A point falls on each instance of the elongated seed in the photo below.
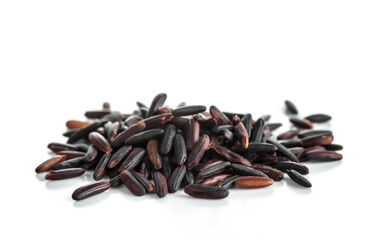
(123, 136)
(221, 118)
(180, 152)
(257, 131)
(188, 110)
(166, 166)
(242, 134)
(272, 173)
(71, 154)
(157, 102)
(118, 156)
(202, 166)
(144, 136)
(99, 142)
(282, 150)
(207, 192)
(291, 108)
(57, 147)
(228, 182)
(288, 135)
(231, 156)
(214, 180)
(254, 182)
(76, 124)
(84, 132)
(90, 190)
(167, 139)
(212, 170)
(100, 169)
(148, 186)
(112, 131)
(323, 156)
(283, 166)
(262, 147)
(334, 147)
(301, 123)
(309, 133)
(161, 186)
(176, 178)
(115, 181)
(157, 120)
(179, 122)
(71, 163)
(298, 178)
(132, 183)
(64, 174)
(153, 155)
(91, 154)
(246, 171)
(322, 139)
(290, 143)
(133, 159)
(192, 135)
(197, 152)
(48, 164)
(318, 118)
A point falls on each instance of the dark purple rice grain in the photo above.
(90, 190)
(192, 133)
(176, 178)
(298, 178)
(318, 118)
(116, 181)
(100, 169)
(309, 133)
(91, 154)
(71, 154)
(221, 118)
(229, 182)
(64, 174)
(301, 123)
(118, 156)
(72, 163)
(157, 102)
(157, 120)
(167, 139)
(132, 183)
(213, 169)
(144, 136)
(261, 147)
(246, 171)
(283, 151)
(333, 147)
(257, 131)
(123, 136)
(133, 159)
(288, 135)
(188, 110)
(197, 152)
(166, 166)
(148, 186)
(207, 192)
(180, 152)
(161, 186)
(283, 166)
(290, 107)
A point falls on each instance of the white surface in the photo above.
(60, 58)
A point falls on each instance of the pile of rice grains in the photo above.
(158, 149)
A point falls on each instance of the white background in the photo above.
(60, 58)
